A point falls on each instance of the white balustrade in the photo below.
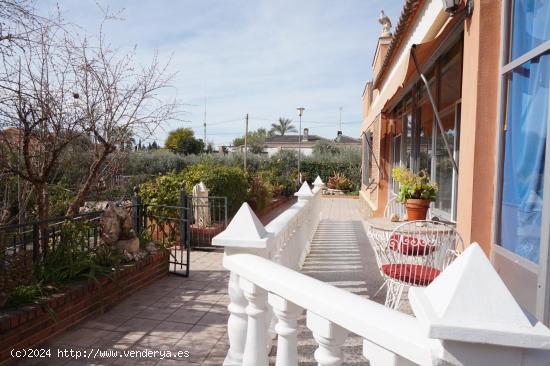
(237, 322)
(285, 240)
(287, 315)
(255, 350)
(465, 317)
(455, 323)
(330, 337)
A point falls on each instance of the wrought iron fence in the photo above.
(209, 219)
(191, 223)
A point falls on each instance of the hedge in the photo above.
(220, 180)
(327, 167)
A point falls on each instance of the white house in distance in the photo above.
(274, 144)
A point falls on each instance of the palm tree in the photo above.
(283, 126)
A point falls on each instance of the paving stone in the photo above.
(171, 329)
(181, 314)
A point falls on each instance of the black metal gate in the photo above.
(191, 224)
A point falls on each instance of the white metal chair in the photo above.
(393, 207)
(415, 254)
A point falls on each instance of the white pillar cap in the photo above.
(245, 231)
(304, 191)
(318, 182)
(469, 302)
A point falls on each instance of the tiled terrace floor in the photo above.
(180, 314)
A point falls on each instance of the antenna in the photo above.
(204, 119)
(340, 118)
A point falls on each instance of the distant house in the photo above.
(275, 144)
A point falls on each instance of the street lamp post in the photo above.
(300, 113)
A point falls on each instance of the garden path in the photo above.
(179, 314)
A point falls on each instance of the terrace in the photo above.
(324, 238)
(191, 314)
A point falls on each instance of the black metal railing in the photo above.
(193, 222)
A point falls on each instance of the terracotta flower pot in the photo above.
(417, 209)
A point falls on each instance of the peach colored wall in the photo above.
(383, 161)
(366, 98)
(380, 55)
(478, 124)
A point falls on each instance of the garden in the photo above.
(160, 175)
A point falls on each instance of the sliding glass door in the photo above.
(418, 136)
(523, 199)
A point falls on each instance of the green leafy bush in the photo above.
(326, 167)
(153, 162)
(220, 180)
(261, 194)
(27, 294)
(71, 258)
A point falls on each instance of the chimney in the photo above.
(306, 134)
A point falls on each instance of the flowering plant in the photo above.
(414, 186)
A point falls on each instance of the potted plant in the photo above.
(340, 182)
(416, 192)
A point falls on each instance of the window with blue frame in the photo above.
(525, 126)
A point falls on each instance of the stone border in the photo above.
(33, 324)
(340, 196)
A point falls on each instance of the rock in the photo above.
(150, 247)
(116, 223)
(129, 245)
(110, 225)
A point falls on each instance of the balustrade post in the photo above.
(318, 184)
(287, 314)
(237, 322)
(255, 350)
(330, 338)
(244, 234)
(304, 194)
(478, 322)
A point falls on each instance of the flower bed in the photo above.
(31, 325)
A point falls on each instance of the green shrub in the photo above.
(153, 162)
(70, 258)
(27, 294)
(219, 179)
(325, 168)
(261, 194)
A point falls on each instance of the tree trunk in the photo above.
(43, 208)
(92, 173)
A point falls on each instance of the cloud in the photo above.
(264, 57)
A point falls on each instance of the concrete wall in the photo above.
(306, 151)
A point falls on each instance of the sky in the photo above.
(261, 57)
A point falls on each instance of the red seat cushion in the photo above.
(409, 245)
(415, 274)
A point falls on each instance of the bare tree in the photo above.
(38, 114)
(57, 88)
(18, 24)
(118, 100)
